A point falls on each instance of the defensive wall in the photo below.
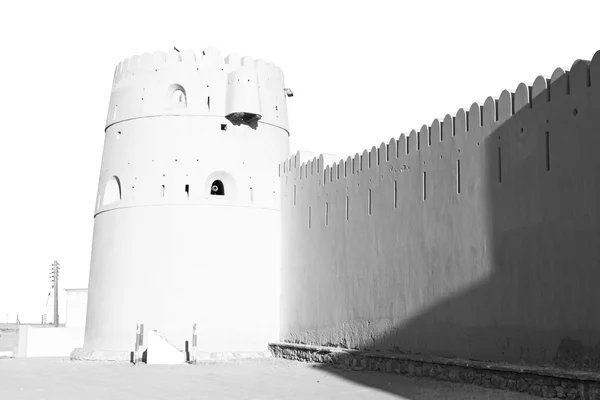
(476, 237)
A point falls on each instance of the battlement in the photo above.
(455, 129)
(184, 83)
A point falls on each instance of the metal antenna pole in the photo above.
(54, 276)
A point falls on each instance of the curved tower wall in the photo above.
(166, 252)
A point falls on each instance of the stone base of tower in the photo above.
(170, 267)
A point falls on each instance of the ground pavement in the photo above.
(59, 378)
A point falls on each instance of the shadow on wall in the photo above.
(539, 232)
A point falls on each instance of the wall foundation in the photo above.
(537, 381)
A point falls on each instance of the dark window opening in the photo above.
(223, 127)
(217, 188)
(547, 151)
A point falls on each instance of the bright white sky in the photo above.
(361, 72)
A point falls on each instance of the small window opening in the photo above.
(208, 103)
(395, 194)
(162, 191)
(499, 165)
(223, 127)
(547, 151)
(217, 188)
(179, 97)
(458, 176)
(369, 201)
(187, 191)
(347, 208)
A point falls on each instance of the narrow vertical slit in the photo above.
(347, 208)
(481, 113)
(407, 144)
(453, 126)
(547, 151)
(395, 194)
(326, 213)
(187, 191)
(387, 152)
(338, 171)
(458, 176)
(499, 164)
(162, 191)
(418, 141)
(208, 103)
(294, 194)
(378, 155)
(429, 136)
(369, 201)
(512, 104)
(424, 186)
(496, 102)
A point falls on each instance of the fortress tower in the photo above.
(187, 224)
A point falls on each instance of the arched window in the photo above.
(177, 96)
(112, 191)
(217, 188)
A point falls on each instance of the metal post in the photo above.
(136, 350)
(56, 293)
(194, 344)
(139, 343)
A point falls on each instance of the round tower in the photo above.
(187, 225)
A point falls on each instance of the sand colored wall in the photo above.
(476, 236)
(167, 253)
(48, 341)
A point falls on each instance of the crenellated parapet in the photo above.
(458, 129)
(205, 84)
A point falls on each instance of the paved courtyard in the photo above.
(59, 378)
